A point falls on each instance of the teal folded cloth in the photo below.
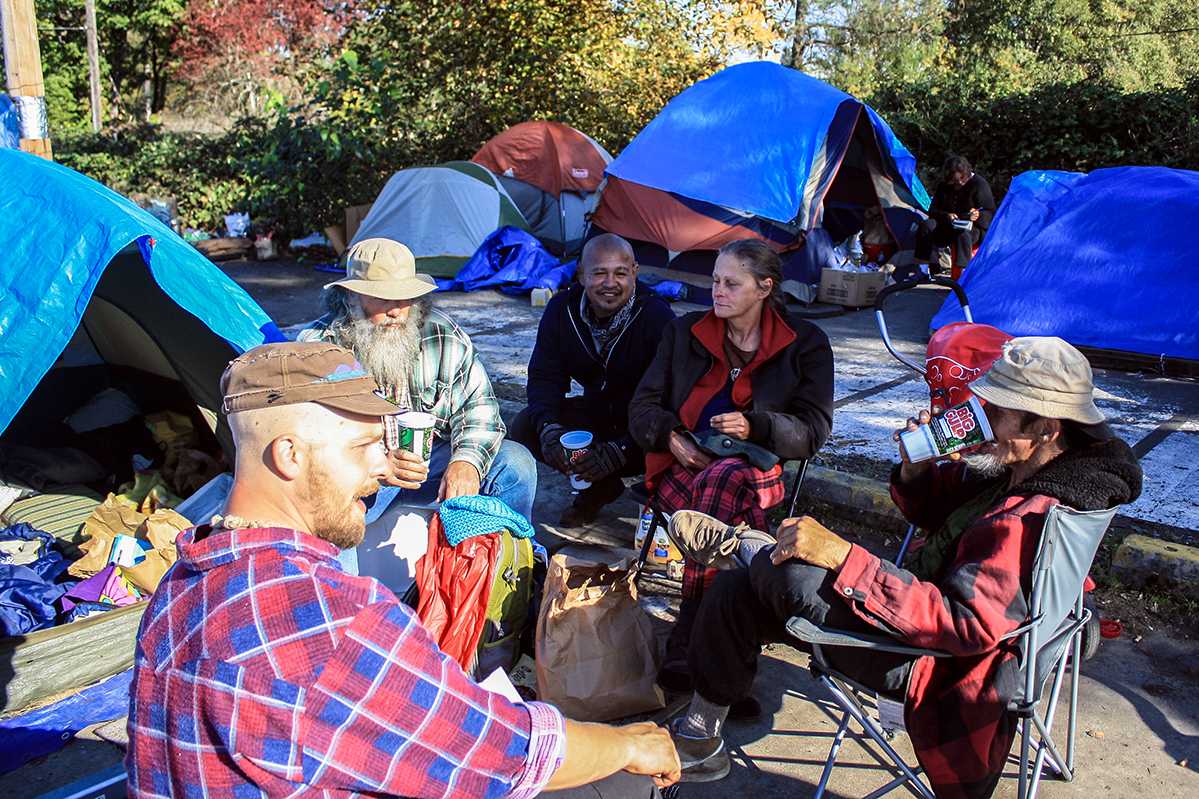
(466, 517)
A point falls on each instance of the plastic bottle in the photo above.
(963, 426)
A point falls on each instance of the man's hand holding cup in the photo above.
(408, 470)
(409, 439)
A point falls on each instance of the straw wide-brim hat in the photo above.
(1042, 375)
(384, 269)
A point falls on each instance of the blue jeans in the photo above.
(512, 478)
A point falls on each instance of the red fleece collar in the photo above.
(777, 335)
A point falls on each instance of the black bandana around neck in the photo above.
(604, 334)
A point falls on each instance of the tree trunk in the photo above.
(801, 37)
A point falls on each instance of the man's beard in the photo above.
(388, 351)
(984, 463)
(343, 526)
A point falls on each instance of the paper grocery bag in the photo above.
(116, 517)
(596, 654)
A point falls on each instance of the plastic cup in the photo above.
(415, 432)
(576, 443)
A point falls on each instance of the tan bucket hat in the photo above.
(292, 372)
(384, 269)
(1042, 375)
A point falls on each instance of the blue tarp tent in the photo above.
(83, 264)
(759, 150)
(1105, 260)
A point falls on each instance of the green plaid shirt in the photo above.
(448, 382)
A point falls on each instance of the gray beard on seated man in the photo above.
(388, 351)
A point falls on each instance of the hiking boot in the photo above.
(709, 541)
(702, 759)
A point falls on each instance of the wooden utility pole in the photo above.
(93, 61)
(23, 71)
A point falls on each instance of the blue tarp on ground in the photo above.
(58, 232)
(48, 729)
(513, 261)
(1105, 259)
(759, 138)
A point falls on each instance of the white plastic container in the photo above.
(576, 443)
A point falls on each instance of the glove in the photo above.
(551, 447)
(600, 461)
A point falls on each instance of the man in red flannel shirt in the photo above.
(262, 669)
(961, 592)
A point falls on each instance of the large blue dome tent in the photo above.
(757, 150)
(83, 266)
(1105, 260)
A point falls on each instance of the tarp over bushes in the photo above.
(1104, 260)
(59, 234)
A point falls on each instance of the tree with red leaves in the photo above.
(231, 51)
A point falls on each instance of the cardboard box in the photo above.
(354, 216)
(853, 289)
(336, 234)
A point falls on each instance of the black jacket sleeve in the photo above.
(650, 420)
(549, 379)
(802, 429)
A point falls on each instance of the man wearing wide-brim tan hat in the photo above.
(962, 591)
(382, 311)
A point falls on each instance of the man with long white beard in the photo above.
(424, 362)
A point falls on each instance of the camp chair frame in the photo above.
(658, 518)
(1052, 634)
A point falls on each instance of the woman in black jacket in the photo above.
(745, 369)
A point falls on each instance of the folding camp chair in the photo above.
(1049, 641)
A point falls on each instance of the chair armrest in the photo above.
(810, 633)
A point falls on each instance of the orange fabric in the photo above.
(709, 331)
(639, 212)
(549, 155)
(955, 271)
(455, 586)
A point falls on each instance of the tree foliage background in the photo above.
(309, 105)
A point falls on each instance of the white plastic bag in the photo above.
(237, 224)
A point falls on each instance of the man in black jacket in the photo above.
(602, 334)
(959, 216)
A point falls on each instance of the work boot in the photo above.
(709, 541)
(702, 759)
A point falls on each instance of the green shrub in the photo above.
(1068, 126)
(295, 173)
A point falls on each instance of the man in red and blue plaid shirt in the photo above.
(262, 669)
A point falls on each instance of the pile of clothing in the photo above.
(74, 541)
